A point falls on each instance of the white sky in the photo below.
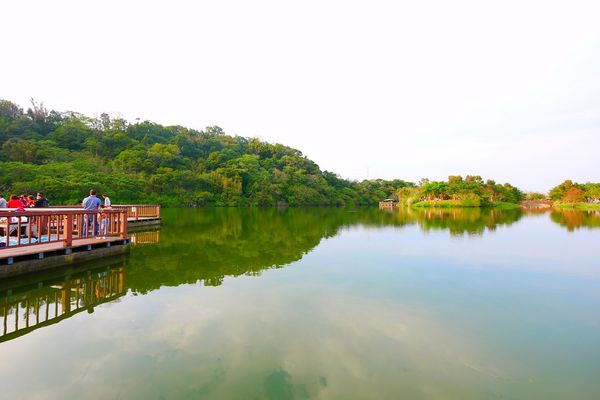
(391, 89)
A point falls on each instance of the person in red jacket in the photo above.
(14, 202)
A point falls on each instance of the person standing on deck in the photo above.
(106, 200)
(14, 202)
(91, 203)
(41, 201)
(3, 202)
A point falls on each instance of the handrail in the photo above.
(134, 211)
(137, 211)
(32, 227)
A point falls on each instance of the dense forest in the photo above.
(65, 154)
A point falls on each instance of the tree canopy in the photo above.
(572, 192)
(470, 191)
(65, 154)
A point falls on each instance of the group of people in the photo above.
(97, 223)
(29, 201)
(24, 201)
(93, 203)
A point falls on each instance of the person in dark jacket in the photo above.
(41, 201)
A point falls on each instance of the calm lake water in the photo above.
(318, 304)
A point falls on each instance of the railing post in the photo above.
(68, 230)
(123, 218)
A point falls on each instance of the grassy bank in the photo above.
(577, 206)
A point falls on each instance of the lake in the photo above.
(318, 304)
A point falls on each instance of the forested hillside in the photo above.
(64, 154)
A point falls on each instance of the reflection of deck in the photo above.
(25, 312)
(145, 237)
(387, 204)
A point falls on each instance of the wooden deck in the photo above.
(36, 239)
(51, 247)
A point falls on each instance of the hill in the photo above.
(64, 154)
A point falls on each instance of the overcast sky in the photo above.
(391, 89)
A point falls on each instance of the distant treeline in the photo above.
(571, 192)
(471, 191)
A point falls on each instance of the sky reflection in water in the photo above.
(328, 303)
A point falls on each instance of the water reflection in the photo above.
(210, 244)
(143, 237)
(459, 221)
(29, 305)
(380, 311)
(576, 219)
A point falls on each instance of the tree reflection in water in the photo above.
(208, 245)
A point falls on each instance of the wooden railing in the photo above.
(137, 211)
(134, 211)
(33, 227)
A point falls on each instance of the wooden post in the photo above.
(7, 231)
(68, 230)
(123, 218)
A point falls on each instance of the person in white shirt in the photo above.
(106, 200)
(3, 202)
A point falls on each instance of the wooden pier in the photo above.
(38, 239)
